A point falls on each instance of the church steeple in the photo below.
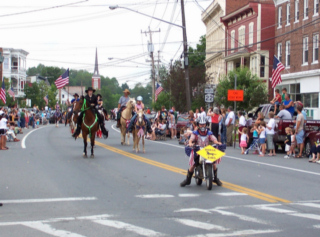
(96, 81)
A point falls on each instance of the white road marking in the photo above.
(305, 215)
(232, 194)
(128, 227)
(50, 230)
(317, 226)
(155, 196)
(272, 209)
(71, 199)
(96, 217)
(308, 205)
(23, 142)
(200, 225)
(193, 210)
(241, 217)
(239, 233)
(189, 195)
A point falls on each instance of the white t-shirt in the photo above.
(203, 114)
(230, 117)
(242, 121)
(243, 137)
(284, 114)
(271, 124)
(196, 115)
(209, 119)
(163, 126)
(3, 123)
(263, 133)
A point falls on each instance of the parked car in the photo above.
(281, 124)
(181, 123)
(312, 138)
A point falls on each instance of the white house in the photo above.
(14, 68)
(64, 96)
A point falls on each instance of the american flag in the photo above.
(62, 80)
(11, 93)
(158, 91)
(277, 68)
(46, 99)
(3, 92)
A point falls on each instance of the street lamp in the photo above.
(185, 45)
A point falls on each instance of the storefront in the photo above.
(305, 87)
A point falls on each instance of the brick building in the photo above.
(215, 39)
(297, 47)
(249, 36)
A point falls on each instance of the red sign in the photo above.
(235, 95)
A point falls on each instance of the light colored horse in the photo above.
(125, 118)
(139, 131)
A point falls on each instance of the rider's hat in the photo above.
(90, 89)
(99, 95)
(126, 91)
(75, 94)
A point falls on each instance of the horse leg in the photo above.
(128, 142)
(122, 136)
(85, 145)
(144, 151)
(92, 144)
(134, 140)
(138, 144)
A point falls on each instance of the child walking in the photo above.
(262, 137)
(288, 143)
(255, 135)
(244, 139)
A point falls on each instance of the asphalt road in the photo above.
(48, 189)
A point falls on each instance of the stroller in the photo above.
(255, 146)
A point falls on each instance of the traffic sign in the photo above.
(235, 95)
(208, 98)
(211, 153)
(208, 90)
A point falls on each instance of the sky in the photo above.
(66, 33)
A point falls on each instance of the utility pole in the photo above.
(158, 78)
(152, 60)
(186, 58)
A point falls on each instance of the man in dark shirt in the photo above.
(92, 99)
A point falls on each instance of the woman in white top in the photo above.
(172, 124)
(242, 124)
(270, 133)
(3, 130)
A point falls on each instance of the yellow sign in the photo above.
(211, 153)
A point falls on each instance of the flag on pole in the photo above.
(62, 80)
(158, 91)
(11, 93)
(277, 68)
(3, 92)
(46, 99)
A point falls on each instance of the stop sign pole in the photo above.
(235, 113)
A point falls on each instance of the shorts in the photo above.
(299, 137)
(2, 131)
(270, 143)
(173, 126)
(243, 144)
(315, 150)
(287, 148)
(277, 103)
(262, 140)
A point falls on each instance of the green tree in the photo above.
(32, 92)
(255, 90)
(163, 100)
(52, 93)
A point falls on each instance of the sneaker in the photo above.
(286, 157)
(318, 162)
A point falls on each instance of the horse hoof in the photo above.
(92, 156)
(85, 156)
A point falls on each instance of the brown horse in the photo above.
(139, 131)
(90, 124)
(126, 116)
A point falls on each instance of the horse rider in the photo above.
(139, 106)
(122, 105)
(92, 99)
(100, 105)
(201, 138)
(73, 101)
(57, 107)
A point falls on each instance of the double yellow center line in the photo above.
(234, 187)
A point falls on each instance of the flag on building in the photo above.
(46, 99)
(62, 80)
(3, 92)
(277, 68)
(158, 91)
(11, 93)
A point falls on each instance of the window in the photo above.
(262, 65)
(296, 10)
(241, 33)
(305, 9)
(232, 41)
(279, 17)
(280, 51)
(6, 63)
(230, 66)
(254, 65)
(288, 54)
(316, 7)
(315, 48)
(251, 34)
(305, 50)
(310, 100)
(288, 14)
